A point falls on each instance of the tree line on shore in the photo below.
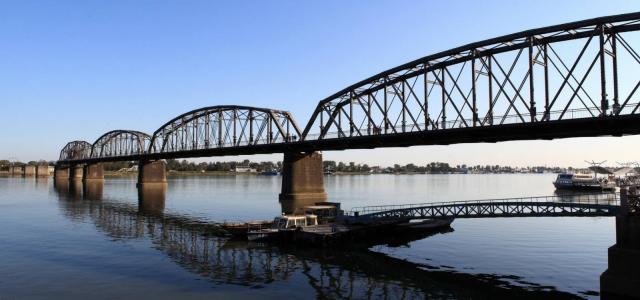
(328, 166)
(340, 167)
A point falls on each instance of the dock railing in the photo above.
(596, 199)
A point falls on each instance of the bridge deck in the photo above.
(576, 205)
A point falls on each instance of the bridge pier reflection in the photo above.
(92, 189)
(622, 278)
(151, 198)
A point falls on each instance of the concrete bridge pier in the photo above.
(76, 173)
(16, 171)
(29, 171)
(42, 171)
(622, 279)
(60, 173)
(152, 173)
(93, 172)
(302, 181)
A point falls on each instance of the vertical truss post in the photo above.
(474, 108)
(338, 111)
(603, 84)
(269, 129)
(368, 114)
(351, 113)
(444, 99)
(546, 83)
(207, 124)
(219, 128)
(404, 107)
(386, 108)
(251, 126)
(321, 123)
(532, 102)
(233, 123)
(426, 99)
(614, 54)
(490, 76)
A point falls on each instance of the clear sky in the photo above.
(77, 69)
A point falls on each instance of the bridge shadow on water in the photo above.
(350, 272)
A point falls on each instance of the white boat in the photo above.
(584, 182)
(280, 224)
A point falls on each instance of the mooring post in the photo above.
(622, 278)
(152, 173)
(302, 180)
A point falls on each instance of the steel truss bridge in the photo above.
(571, 80)
(547, 206)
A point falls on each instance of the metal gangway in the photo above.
(586, 205)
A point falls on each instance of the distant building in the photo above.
(244, 169)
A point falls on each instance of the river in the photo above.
(103, 243)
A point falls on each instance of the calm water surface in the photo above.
(108, 241)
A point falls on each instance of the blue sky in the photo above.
(77, 69)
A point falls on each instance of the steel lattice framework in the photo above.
(76, 150)
(571, 80)
(224, 126)
(121, 143)
(550, 74)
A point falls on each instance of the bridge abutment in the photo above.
(152, 173)
(302, 180)
(622, 278)
(93, 172)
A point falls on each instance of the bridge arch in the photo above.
(75, 150)
(555, 73)
(121, 143)
(224, 126)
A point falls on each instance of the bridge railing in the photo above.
(596, 199)
(555, 115)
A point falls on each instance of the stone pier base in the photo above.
(61, 173)
(16, 171)
(302, 181)
(42, 171)
(76, 173)
(152, 173)
(622, 278)
(29, 171)
(93, 172)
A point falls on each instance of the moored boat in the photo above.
(282, 224)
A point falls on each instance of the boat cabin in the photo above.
(294, 221)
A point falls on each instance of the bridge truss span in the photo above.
(76, 150)
(121, 143)
(225, 127)
(580, 70)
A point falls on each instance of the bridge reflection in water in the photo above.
(196, 245)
